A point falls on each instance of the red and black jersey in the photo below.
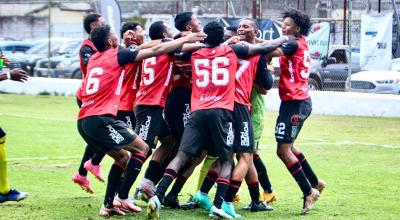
(86, 50)
(213, 74)
(294, 73)
(245, 75)
(182, 80)
(130, 86)
(103, 82)
(155, 82)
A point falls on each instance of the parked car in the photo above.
(8, 47)
(330, 73)
(378, 81)
(67, 55)
(27, 60)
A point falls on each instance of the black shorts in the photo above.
(150, 124)
(177, 111)
(105, 133)
(292, 115)
(205, 126)
(244, 136)
(128, 117)
(2, 133)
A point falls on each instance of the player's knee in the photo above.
(281, 152)
(122, 159)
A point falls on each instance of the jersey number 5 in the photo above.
(219, 75)
(93, 83)
(149, 73)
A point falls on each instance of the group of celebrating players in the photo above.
(200, 94)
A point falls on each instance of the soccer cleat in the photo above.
(190, 204)
(147, 187)
(83, 182)
(320, 186)
(171, 201)
(13, 195)
(107, 212)
(236, 198)
(153, 208)
(203, 200)
(94, 169)
(309, 201)
(260, 207)
(230, 210)
(126, 205)
(269, 197)
(216, 213)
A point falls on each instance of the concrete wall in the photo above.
(326, 103)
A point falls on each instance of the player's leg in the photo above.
(148, 127)
(288, 125)
(191, 146)
(219, 123)
(6, 193)
(254, 191)
(269, 195)
(208, 161)
(316, 183)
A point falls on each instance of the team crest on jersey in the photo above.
(295, 120)
(144, 128)
(244, 135)
(231, 136)
(117, 137)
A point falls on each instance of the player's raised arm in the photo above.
(265, 47)
(170, 46)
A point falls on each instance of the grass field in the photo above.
(359, 157)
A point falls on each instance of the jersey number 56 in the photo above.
(219, 75)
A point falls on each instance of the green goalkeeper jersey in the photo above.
(257, 114)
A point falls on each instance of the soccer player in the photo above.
(250, 69)
(6, 193)
(100, 100)
(150, 102)
(212, 102)
(296, 105)
(90, 161)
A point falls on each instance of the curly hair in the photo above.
(129, 26)
(302, 20)
(215, 33)
(100, 36)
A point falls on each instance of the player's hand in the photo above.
(232, 40)
(195, 37)
(5, 60)
(182, 68)
(19, 75)
(128, 37)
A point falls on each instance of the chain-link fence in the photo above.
(29, 21)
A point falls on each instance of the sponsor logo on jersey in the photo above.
(244, 135)
(204, 98)
(117, 137)
(144, 128)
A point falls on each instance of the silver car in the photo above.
(376, 81)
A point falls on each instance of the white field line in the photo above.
(343, 143)
(36, 117)
(44, 158)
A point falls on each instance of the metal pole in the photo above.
(379, 6)
(49, 43)
(350, 65)
(254, 11)
(226, 8)
(298, 4)
(396, 15)
(344, 20)
(184, 5)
